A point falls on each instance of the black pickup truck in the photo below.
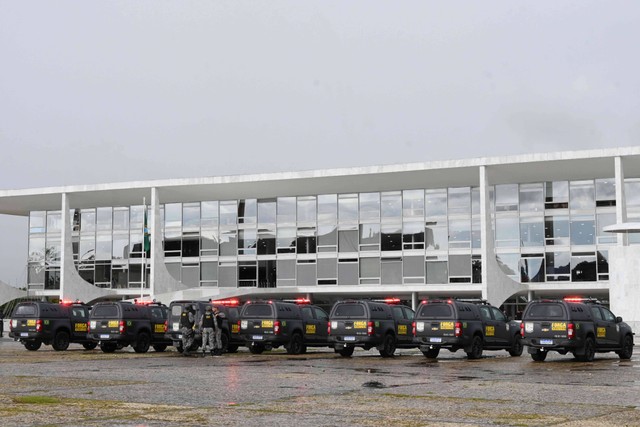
(34, 323)
(579, 326)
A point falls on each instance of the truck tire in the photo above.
(516, 348)
(347, 351)
(61, 341)
(108, 347)
(588, 350)
(256, 348)
(33, 345)
(159, 347)
(90, 345)
(432, 353)
(388, 346)
(627, 348)
(142, 343)
(539, 356)
(295, 344)
(475, 352)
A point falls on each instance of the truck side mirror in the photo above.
(618, 319)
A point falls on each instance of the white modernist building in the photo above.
(506, 229)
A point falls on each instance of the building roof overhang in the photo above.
(572, 165)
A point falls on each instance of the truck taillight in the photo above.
(13, 324)
(369, 328)
(276, 327)
(571, 332)
(328, 328)
(39, 325)
(166, 325)
(458, 329)
(413, 328)
(522, 329)
(121, 327)
(88, 326)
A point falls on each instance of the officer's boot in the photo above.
(213, 353)
(203, 351)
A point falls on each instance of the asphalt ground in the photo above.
(90, 388)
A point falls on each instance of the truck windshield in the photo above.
(349, 310)
(435, 311)
(258, 310)
(105, 311)
(545, 311)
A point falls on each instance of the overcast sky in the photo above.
(94, 92)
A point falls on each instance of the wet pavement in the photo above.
(320, 388)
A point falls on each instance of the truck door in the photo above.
(489, 329)
(600, 326)
(613, 330)
(502, 333)
(79, 316)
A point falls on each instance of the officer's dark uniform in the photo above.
(186, 327)
(207, 324)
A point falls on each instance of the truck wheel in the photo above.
(539, 356)
(432, 353)
(60, 341)
(388, 346)
(516, 348)
(142, 343)
(295, 345)
(224, 338)
(589, 350)
(347, 351)
(108, 347)
(256, 348)
(476, 348)
(232, 348)
(160, 347)
(627, 348)
(90, 345)
(32, 345)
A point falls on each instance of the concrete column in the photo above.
(414, 300)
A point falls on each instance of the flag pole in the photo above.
(144, 252)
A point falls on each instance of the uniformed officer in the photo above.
(187, 322)
(218, 330)
(207, 325)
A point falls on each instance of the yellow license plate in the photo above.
(113, 323)
(360, 324)
(267, 323)
(31, 322)
(446, 325)
(235, 329)
(602, 332)
(402, 329)
(558, 326)
(311, 329)
(490, 331)
(158, 328)
(81, 327)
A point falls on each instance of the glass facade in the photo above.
(544, 232)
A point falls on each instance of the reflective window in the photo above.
(136, 216)
(413, 235)
(120, 246)
(267, 273)
(532, 268)
(348, 241)
(436, 235)
(173, 215)
(370, 237)
(583, 230)
(328, 209)
(582, 195)
(531, 198)
(228, 243)
(507, 232)
(459, 200)
(209, 214)
(435, 203)
(327, 238)
(247, 240)
(266, 242)
(509, 264)
(191, 216)
(121, 219)
(37, 221)
(369, 207)
(247, 211)
(247, 274)
(36, 248)
(391, 271)
(369, 267)
(532, 231)
(557, 265)
(583, 267)
(413, 203)
(391, 238)
(391, 205)
(306, 240)
(604, 220)
(459, 268)
(459, 233)
(437, 270)
(104, 219)
(603, 265)
(54, 222)
(506, 197)
(267, 211)
(556, 230)
(605, 192)
(286, 240)
(172, 243)
(88, 220)
(348, 208)
(475, 201)
(228, 212)
(556, 195)
(103, 246)
(413, 266)
(307, 209)
(286, 210)
(209, 242)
